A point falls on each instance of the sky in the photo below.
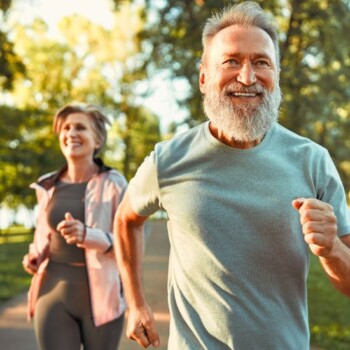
(162, 102)
(52, 11)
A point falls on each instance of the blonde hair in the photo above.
(248, 14)
(96, 115)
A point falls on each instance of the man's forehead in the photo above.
(243, 33)
(235, 39)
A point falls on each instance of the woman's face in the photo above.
(77, 137)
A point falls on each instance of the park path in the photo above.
(17, 334)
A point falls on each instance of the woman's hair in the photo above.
(96, 115)
(247, 14)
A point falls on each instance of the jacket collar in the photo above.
(49, 180)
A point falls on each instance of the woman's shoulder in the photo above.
(111, 174)
(47, 180)
(115, 177)
(47, 176)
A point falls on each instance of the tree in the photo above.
(97, 66)
(18, 144)
(131, 139)
(314, 76)
(10, 64)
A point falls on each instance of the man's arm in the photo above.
(128, 232)
(319, 225)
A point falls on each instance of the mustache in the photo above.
(237, 87)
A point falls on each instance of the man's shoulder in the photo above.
(291, 138)
(182, 140)
(184, 137)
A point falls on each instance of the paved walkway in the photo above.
(17, 334)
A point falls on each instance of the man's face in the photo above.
(239, 80)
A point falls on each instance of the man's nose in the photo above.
(246, 75)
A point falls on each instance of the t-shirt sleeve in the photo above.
(332, 192)
(143, 190)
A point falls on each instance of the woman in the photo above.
(76, 294)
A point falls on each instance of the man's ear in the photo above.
(202, 78)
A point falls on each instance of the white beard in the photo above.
(244, 122)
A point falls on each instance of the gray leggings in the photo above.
(63, 314)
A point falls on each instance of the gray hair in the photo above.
(96, 115)
(248, 14)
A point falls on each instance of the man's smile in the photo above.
(243, 94)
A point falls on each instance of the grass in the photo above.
(329, 311)
(16, 230)
(13, 279)
(15, 234)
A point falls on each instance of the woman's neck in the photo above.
(79, 171)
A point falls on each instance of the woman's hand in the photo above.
(30, 261)
(72, 230)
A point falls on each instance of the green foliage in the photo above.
(105, 67)
(133, 137)
(175, 38)
(24, 142)
(13, 278)
(10, 64)
(15, 233)
(100, 66)
(5, 5)
(314, 77)
(16, 230)
(329, 311)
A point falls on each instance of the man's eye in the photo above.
(262, 63)
(231, 63)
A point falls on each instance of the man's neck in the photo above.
(230, 141)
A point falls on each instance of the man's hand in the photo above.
(141, 327)
(319, 225)
(72, 230)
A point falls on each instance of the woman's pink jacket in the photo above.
(104, 193)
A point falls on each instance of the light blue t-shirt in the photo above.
(238, 259)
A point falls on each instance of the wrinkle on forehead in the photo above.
(238, 38)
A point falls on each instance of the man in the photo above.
(245, 199)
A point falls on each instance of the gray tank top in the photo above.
(67, 197)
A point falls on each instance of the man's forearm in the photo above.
(129, 250)
(337, 267)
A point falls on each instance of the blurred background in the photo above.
(139, 59)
